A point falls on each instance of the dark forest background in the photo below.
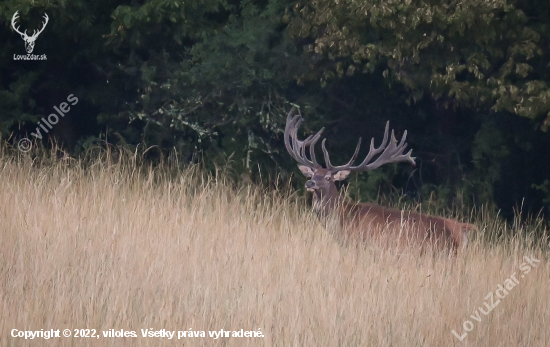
(212, 80)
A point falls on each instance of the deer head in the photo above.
(29, 40)
(321, 180)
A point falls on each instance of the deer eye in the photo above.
(327, 178)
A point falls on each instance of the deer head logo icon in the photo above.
(29, 40)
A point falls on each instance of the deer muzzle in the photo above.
(311, 186)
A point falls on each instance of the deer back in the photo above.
(367, 219)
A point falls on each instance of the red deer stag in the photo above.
(367, 219)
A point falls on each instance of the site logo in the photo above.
(29, 40)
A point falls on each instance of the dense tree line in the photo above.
(212, 79)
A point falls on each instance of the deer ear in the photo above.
(341, 175)
(306, 170)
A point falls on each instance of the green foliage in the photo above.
(488, 152)
(211, 77)
(477, 53)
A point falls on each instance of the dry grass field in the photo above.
(105, 246)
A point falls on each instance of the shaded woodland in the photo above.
(212, 81)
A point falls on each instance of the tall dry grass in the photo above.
(106, 245)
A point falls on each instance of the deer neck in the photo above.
(325, 202)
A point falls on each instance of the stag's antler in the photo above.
(34, 33)
(13, 19)
(297, 148)
(391, 153)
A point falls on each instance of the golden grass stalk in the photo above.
(106, 245)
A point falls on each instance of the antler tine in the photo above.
(289, 134)
(312, 147)
(391, 153)
(373, 150)
(46, 19)
(325, 154)
(35, 32)
(342, 167)
(13, 20)
(297, 149)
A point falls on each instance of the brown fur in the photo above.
(367, 220)
(370, 220)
